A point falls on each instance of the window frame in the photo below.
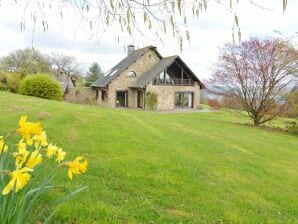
(183, 92)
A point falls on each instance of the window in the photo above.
(131, 74)
(184, 100)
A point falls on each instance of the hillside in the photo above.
(148, 167)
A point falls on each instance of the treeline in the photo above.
(18, 64)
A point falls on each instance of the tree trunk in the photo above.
(256, 121)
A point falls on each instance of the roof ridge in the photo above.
(172, 56)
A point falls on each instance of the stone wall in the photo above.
(166, 95)
(81, 95)
(122, 82)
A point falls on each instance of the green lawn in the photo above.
(147, 167)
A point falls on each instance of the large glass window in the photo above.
(173, 76)
(184, 100)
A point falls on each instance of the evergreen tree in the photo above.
(93, 74)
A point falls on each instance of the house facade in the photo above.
(145, 71)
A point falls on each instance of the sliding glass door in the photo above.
(183, 100)
(121, 99)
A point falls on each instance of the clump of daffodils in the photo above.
(29, 153)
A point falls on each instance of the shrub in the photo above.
(3, 87)
(214, 104)
(151, 100)
(41, 85)
(3, 81)
(293, 128)
(13, 81)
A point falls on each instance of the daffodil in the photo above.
(34, 159)
(19, 179)
(51, 150)
(28, 128)
(60, 155)
(3, 147)
(21, 155)
(22, 146)
(40, 139)
(77, 166)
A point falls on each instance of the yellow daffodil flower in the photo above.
(3, 147)
(51, 150)
(22, 146)
(60, 155)
(19, 179)
(40, 139)
(79, 165)
(34, 159)
(21, 156)
(28, 128)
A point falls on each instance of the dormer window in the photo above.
(131, 74)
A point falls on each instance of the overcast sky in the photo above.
(210, 31)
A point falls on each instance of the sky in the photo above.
(208, 33)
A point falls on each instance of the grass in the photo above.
(147, 167)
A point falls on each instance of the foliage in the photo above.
(294, 129)
(151, 100)
(292, 107)
(28, 172)
(258, 75)
(214, 104)
(26, 61)
(41, 85)
(3, 81)
(10, 81)
(93, 74)
(66, 64)
(147, 18)
(14, 80)
(143, 166)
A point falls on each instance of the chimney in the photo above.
(130, 49)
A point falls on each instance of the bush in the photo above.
(3, 81)
(10, 81)
(293, 128)
(214, 104)
(151, 100)
(13, 81)
(41, 85)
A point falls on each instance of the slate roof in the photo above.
(121, 66)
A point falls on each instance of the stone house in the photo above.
(66, 82)
(145, 71)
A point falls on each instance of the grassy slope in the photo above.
(167, 168)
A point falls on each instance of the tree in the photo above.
(93, 74)
(292, 107)
(65, 63)
(129, 16)
(26, 61)
(258, 74)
